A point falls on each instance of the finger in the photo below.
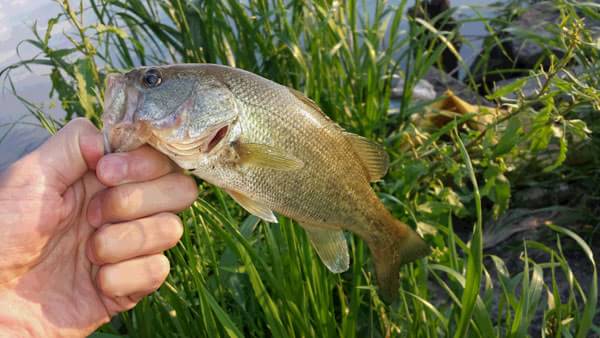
(142, 164)
(172, 193)
(115, 305)
(139, 275)
(75, 197)
(142, 237)
(66, 156)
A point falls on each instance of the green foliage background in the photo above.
(235, 276)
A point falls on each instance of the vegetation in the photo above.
(235, 276)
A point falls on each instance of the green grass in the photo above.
(235, 276)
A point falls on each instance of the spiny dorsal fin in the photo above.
(265, 156)
(300, 96)
(255, 208)
(331, 246)
(316, 110)
(372, 155)
(374, 158)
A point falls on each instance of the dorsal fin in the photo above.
(372, 155)
(300, 96)
(315, 109)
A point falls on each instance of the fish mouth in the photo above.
(121, 132)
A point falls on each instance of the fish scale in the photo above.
(271, 149)
(268, 123)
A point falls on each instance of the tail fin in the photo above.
(396, 244)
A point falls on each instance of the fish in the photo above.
(272, 149)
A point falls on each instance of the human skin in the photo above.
(82, 235)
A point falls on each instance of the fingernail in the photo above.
(114, 169)
(94, 212)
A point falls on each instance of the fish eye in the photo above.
(152, 78)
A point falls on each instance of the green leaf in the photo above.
(475, 258)
(509, 88)
(589, 312)
(562, 155)
(105, 335)
(578, 129)
(510, 137)
(102, 29)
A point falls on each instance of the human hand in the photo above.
(78, 246)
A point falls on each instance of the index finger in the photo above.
(142, 164)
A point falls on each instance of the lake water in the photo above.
(18, 133)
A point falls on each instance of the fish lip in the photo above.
(125, 136)
(115, 84)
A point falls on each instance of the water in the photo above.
(16, 19)
(18, 132)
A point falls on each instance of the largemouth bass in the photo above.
(271, 149)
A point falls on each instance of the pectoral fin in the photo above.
(265, 156)
(255, 208)
(331, 246)
(372, 155)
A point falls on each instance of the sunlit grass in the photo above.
(235, 276)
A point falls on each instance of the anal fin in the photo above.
(255, 208)
(330, 245)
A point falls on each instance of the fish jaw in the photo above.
(121, 131)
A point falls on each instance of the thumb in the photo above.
(69, 154)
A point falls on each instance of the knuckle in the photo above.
(99, 246)
(80, 123)
(118, 201)
(147, 163)
(80, 126)
(105, 281)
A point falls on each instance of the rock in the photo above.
(433, 84)
(523, 44)
(538, 197)
(540, 20)
(437, 12)
(423, 91)
(442, 82)
(496, 65)
(534, 84)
